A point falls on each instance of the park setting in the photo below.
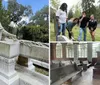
(75, 10)
(24, 38)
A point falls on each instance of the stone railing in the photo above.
(34, 50)
(9, 51)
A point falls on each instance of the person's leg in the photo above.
(84, 30)
(60, 29)
(63, 29)
(69, 33)
(93, 36)
(91, 33)
(80, 34)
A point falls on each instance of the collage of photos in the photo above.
(49, 42)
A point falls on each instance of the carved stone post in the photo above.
(53, 51)
(76, 52)
(8, 53)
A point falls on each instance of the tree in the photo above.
(77, 11)
(0, 4)
(88, 6)
(55, 4)
(41, 17)
(0, 8)
(38, 28)
(52, 14)
(97, 14)
(35, 33)
(4, 16)
(70, 14)
(17, 10)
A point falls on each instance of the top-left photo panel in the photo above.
(26, 19)
(24, 42)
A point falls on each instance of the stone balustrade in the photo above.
(10, 50)
(36, 51)
(8, 53)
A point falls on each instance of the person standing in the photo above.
(83, 20)
(61, 17)
(92, 26)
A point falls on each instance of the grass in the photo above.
(76, 33)
(42, 70)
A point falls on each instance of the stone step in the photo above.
(29, 80)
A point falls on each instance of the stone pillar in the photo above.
(64, 50)
(53, 51)
(75, 52)
(89, 52)
(8, 53)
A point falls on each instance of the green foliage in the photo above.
(70, 14)
(55, 4)
(17, 10)
(53, 8)
(88, 6)
(52, 14)
(97, 14)
(77, 11)
(35, 33)
(40, 16)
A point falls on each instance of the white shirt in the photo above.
(62, 16)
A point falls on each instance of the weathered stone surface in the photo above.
(23, 61)
(9, 49)
(63, 38)
(8, 53)
(34, 51)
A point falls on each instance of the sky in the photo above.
(70, 3)
(36, 4)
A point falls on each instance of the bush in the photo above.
(35, 33)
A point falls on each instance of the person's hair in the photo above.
(63, 7)
(91, 15)
(76, 19)
(83, 12)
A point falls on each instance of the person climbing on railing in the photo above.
(61, 17)
(69, 26)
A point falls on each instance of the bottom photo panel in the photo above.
(75, 63)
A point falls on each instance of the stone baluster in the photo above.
(8, 53)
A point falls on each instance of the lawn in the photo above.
(76, 32)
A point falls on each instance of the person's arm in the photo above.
(81, 18)
(57, 17)
(88, 23)
(57, 20)
(95, 24)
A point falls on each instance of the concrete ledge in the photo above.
(40, 77)
(9, 49)
(40, 63)
(34, 51)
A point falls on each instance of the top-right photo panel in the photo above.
(74, 20)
